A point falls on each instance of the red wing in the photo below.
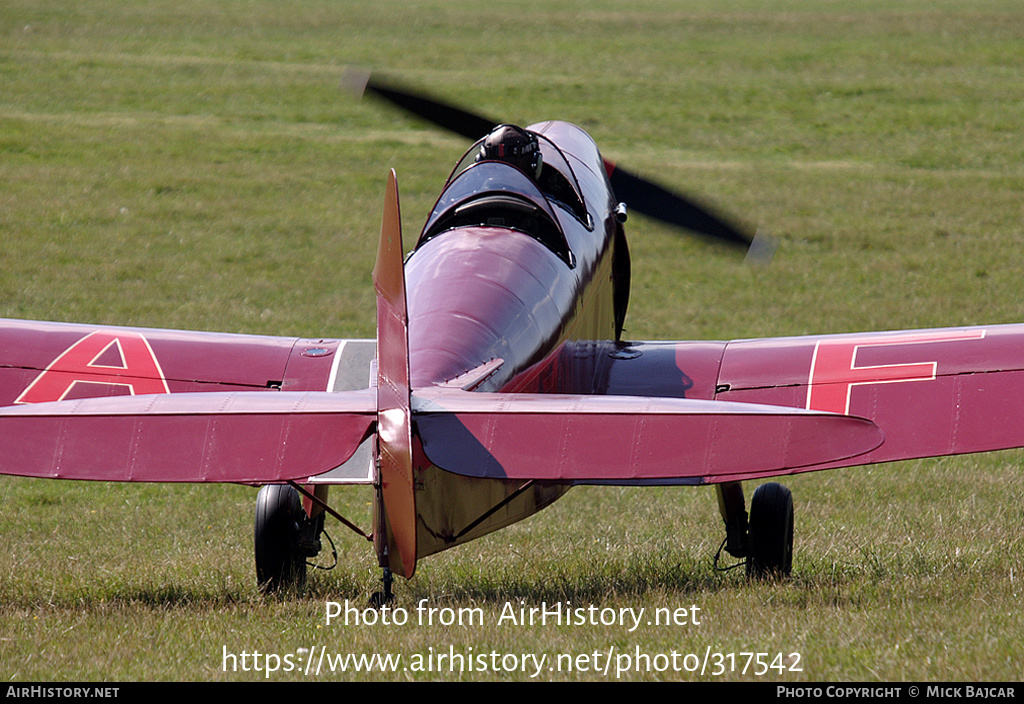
(41, 361)
(931, 392)
(134, 404)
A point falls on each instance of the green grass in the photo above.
(192, 165)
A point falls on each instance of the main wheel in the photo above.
(771, 532)
(280, 563)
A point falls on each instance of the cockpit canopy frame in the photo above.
(497, 194)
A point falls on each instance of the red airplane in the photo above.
(499, 379)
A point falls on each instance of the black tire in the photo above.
(771, 533)
(279, 517)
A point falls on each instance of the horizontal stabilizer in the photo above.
(622, 440)
(244, 437)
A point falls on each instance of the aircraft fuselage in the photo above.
(485, 291)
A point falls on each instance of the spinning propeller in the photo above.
(639, 193)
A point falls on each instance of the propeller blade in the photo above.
(639, 193)
(653, 200)
(454, 119)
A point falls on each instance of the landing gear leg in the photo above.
(733, 509)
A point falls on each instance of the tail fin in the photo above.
(394, 416)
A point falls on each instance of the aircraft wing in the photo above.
(136, 404)
(708, 412)
(930, 392)
(44, 361)
(613, 413)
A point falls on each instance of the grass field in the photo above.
(192, 164)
